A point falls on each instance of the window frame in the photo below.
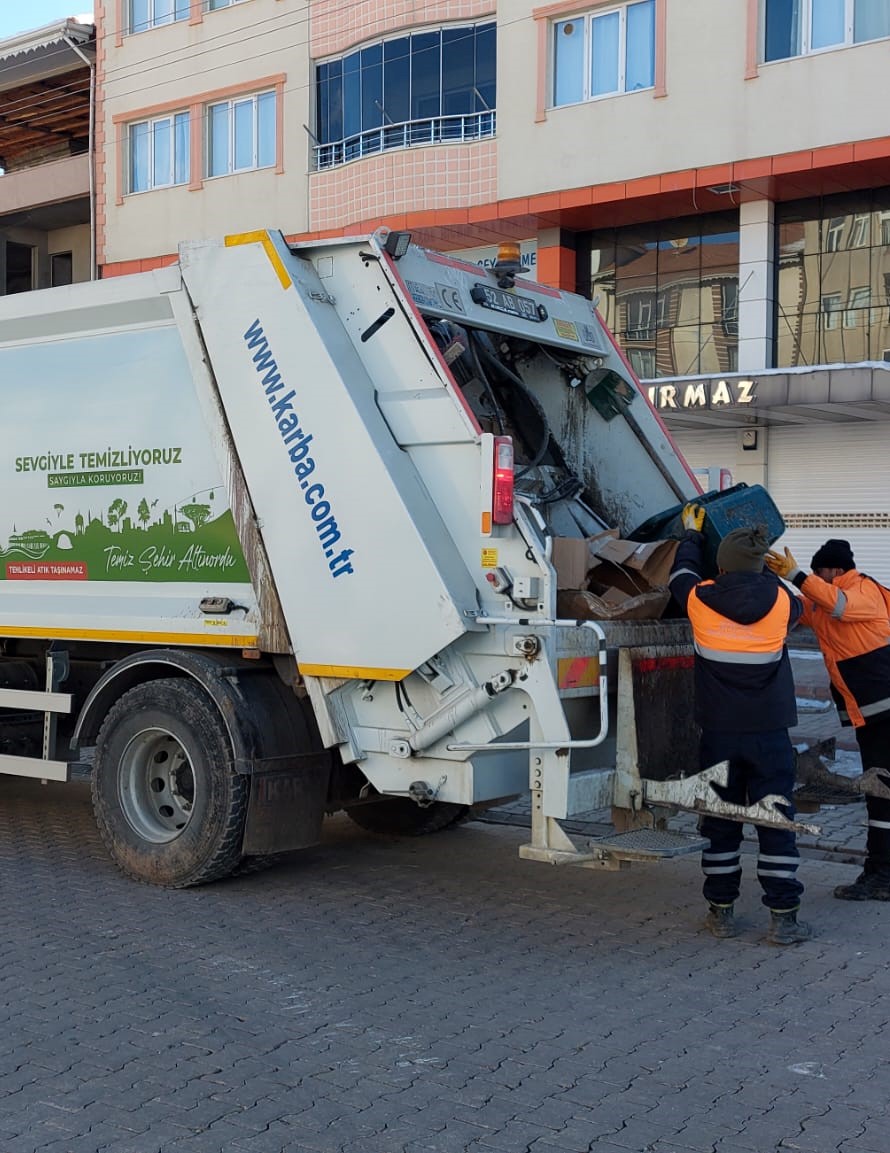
(805, 35)
(153, 22)
(393, 132)
(57, 256)
(858, 302)
(171, 118)
(831, 306)
(208, 6)
(230, 103)
(588, 17)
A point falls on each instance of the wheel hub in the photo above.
(157, 785)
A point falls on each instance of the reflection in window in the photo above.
(797, 27)
(831, 308)
(859, 300)
(729, 295)
(669, 292)
(642, 361)
(604, 53)
(833, 279)
(427, 88)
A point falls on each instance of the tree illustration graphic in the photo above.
(59, 509)
(116, 511)
(196, 513)
(143, 512)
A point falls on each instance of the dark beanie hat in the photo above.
(743, 550)
(833, 554)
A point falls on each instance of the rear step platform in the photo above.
(647, 844)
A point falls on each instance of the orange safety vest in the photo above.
(718, 638)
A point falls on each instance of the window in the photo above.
(61, 269)
(669, 292)
(642, 361)
(640, 310)
(860, 299)
(241, 134)
(603, 53)
(831, 308)
(426, 88)
(729, 306)
(859, 231)
(833, 279)
(833, 231)
(144, 14)
(158, 152)
(213, 5)
(798, 27)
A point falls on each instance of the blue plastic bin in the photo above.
(742, 506)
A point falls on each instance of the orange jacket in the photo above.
(849, 617)
(719, 638)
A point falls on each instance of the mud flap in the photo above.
(287, 803)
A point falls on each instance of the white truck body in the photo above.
(263, 478)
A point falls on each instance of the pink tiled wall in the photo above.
(336, 26)
(414, 180)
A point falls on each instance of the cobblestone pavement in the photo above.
(423, 996)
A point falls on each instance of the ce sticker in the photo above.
(450, 297)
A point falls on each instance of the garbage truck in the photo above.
(284, 532)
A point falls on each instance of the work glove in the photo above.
(693, 517)
(785, 566)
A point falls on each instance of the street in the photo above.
(426, 996)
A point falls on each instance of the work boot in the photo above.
(720, 921)
(866, 887)
(785, 929)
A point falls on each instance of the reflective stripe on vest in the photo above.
(718, 638)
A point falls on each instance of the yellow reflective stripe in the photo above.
(263, 237)
(216, 640)
(353, 672)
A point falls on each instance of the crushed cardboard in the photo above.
(581, 605)
(606, 578)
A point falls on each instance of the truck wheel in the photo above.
(402, 817)
(167, 801)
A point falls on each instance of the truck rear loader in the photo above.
(277, 539)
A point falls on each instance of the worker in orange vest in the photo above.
(848, 612)
(744, 704)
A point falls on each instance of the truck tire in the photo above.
(400, 816)
(169, 806)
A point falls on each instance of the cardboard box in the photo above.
(582, 605)
(606, 578)
(647, 563)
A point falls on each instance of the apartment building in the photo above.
(46, 175)
(716, 175)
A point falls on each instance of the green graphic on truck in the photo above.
(148, 510)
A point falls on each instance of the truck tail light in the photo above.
(502, 492)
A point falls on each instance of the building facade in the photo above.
(46, 170)
(715, 176)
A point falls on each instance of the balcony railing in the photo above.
(412, 133)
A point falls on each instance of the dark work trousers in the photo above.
(759, 764)
(874, 747)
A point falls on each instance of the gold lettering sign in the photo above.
(703, 394)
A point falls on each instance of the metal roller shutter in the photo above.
(834, 481)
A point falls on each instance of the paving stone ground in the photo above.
(423, 996)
